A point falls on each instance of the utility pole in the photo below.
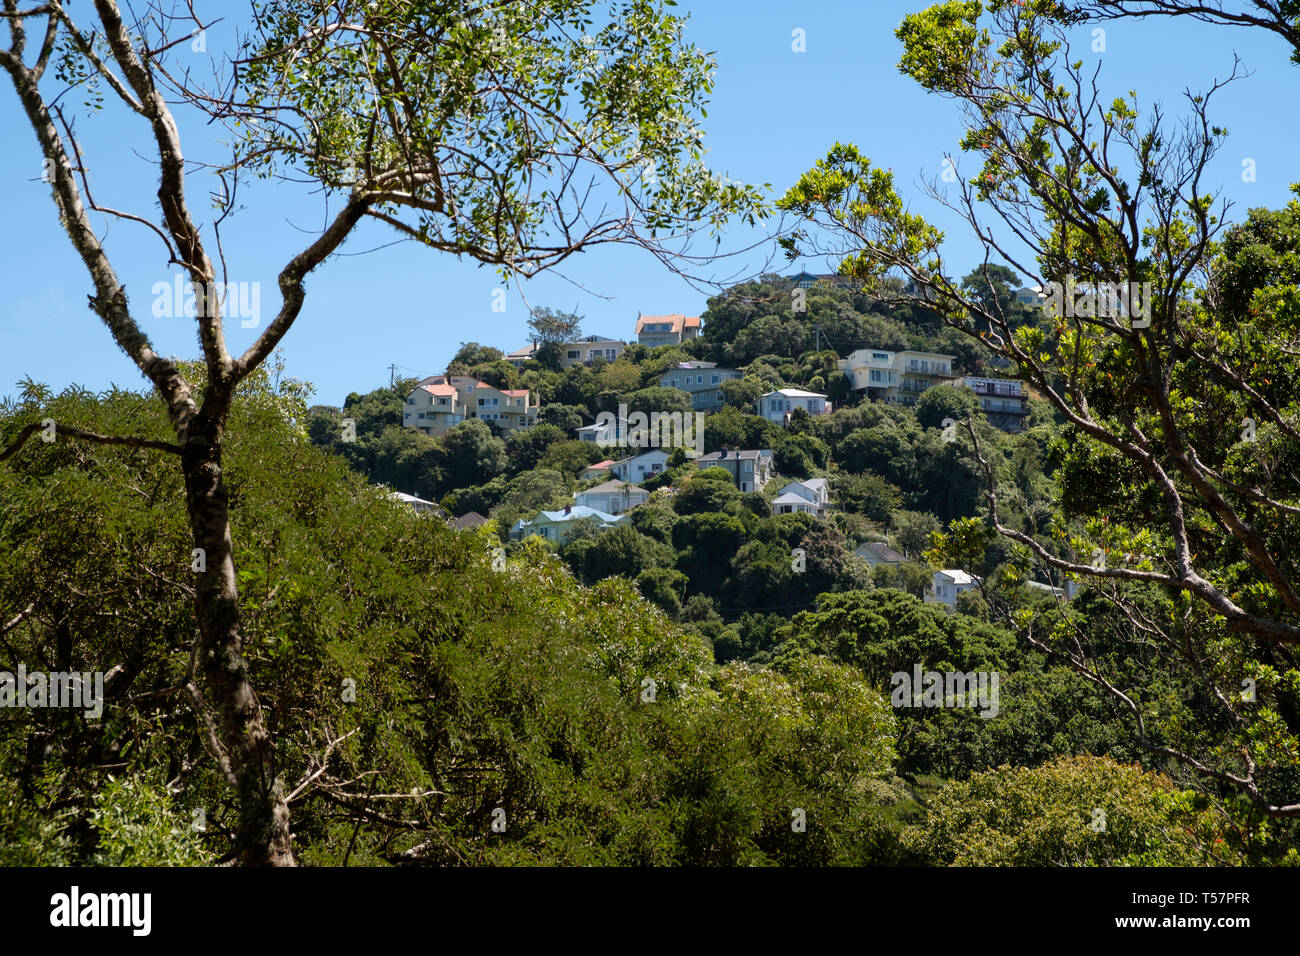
(392, 375)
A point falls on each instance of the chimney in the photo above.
(568, 509)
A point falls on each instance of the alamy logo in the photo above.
(69, 689)
(236, 300)
(103, 909)
(1100, 300)
(950, 689)
(656, 430)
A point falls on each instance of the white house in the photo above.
(555, 526)
(895, 376)
(790, 503)
(778, 406)
(877, 552)
(815, 490)
(612, 497)
(640, 467)
(947, 584)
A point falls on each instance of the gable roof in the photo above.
(793, 393)
(816, 484)
(881, 550)
(470, 519)
(676, 321)
(614, 485)
(602, 465)
(439, 389)
(793, 499)
(957, 576)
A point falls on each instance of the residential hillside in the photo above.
(798, 438)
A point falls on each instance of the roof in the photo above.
(813, 483)
(694, 365)
(528, 351)
(881, 550)
(513, 392)
(439, 389)
(731, 455)
(649, 451)
(676, 320)
(613, 485)
(578, 511)
(470, 519)
(600, 464)
(793, 499)
(957, 576)
(794, 393)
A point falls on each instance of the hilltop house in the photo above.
(655, 330)
(947, 584)
(813, 495)
(895, 376)
(751, 470)
(556, 526)
(638, 468)
(806, 280)
(613, 497)
(440, 402)
(877, 552)
(584, 351)
(779, 405)
(702, 381)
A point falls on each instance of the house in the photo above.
(1031, 296)
(1068, 592)
(587, 350)
(612, 497)
(470, 519)
(638, 468)
(1003, 400)
(778, 406)
(440, 402)
(895, 376)
(877, 553)
(556, 526)
(806, 280)
(599, 434)
(702, 381)
(790, 503)
(599, 470)
(751, 470)
(584, 351)
(816, 491)
(947, 584)
(418, 505)
(655, 330)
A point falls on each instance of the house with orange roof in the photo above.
(656, 330)
(440, 402)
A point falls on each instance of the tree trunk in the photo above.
(247, 752)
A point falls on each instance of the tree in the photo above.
(554, 328)
(944, 401)
(1157, 380)
(471, 353)
(459, 128)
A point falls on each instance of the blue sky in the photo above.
(773, 113)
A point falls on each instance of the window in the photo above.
(699, 380)
(714, 380)
(407, 415)
(880, 356)
(421, 415)
(574, 353)
(674, 382)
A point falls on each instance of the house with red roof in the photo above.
(440, 402)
